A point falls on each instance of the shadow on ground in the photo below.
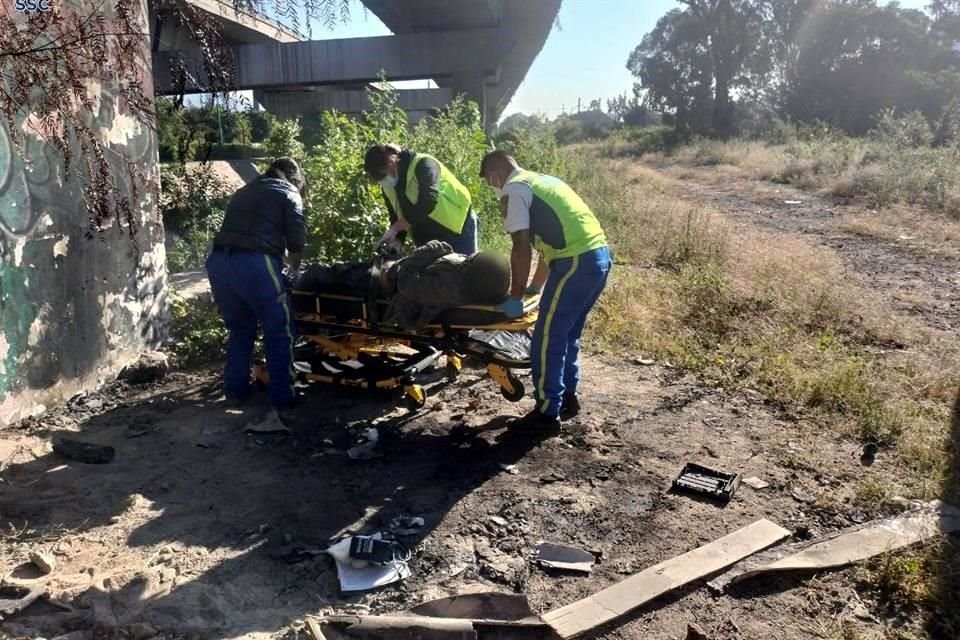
(187, 475)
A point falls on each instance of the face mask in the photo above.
(389, 182)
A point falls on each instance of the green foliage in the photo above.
(261, 124)
(198, 333)
(192, 203)
(904, 132)
(284, 140)
(243, 131)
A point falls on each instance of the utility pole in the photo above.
(578, 105)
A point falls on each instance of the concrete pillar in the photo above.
(74, 310)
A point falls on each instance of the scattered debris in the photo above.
(85, 452)
(557, 556)
(365, 450)
(44, 561)
(793, 202)
(755, 483)
(644, 361)
(803, 496)
(270, 423)
(553, 476)
(625, 596)
(694, 632)
(152, 366)
(14, 599)
(869, 454)
(365, 563)
(700, 480)
(406, 525)
(881, 536)
(512, 469)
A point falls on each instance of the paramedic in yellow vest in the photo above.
(543, 213)
(424, 198)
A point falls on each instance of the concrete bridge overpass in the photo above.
(482, 48)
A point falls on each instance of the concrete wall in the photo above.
(74, 310)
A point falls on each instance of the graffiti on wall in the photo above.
(67, 301)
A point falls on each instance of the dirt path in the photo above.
(198, 529)
(924, 286)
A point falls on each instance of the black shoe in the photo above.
(536, 423)
(570, 408)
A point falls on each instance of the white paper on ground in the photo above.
(371, 577)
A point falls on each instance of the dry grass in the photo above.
(747, 309)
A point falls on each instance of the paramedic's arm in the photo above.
(520, 257)
(540, 275)
(295, 230)
(428, 179)
(395, 223)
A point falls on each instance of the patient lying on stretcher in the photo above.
(420, 286)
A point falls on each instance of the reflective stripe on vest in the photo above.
(561, 223)
(453, 200)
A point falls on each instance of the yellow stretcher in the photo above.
(342, 341)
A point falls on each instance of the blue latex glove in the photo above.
(532, 291)
(511, 307)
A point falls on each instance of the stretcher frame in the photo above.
(337, 331)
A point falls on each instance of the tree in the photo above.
(284, 140)
(675, 70)
(55, 65)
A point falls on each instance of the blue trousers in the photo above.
(571, 290)
(466, 242)
(248, 288)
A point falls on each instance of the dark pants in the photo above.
(248, 288)
(572, 288)
(466, 242)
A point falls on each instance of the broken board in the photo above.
(871, 540)
(611, 603)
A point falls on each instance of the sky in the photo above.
(584, 58)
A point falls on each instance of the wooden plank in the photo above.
(607, 605)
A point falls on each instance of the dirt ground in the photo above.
(197, 529)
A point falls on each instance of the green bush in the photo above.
(198, 333)
(191, 203)
(284, 140)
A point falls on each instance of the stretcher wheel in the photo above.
(416, 397)
(454, 366)
(516, 391)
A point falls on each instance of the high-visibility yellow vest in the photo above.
(453, 203)
(561, 223)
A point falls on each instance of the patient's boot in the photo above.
(570, 407)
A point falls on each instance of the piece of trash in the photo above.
(270, 423)
(700, 480)
(869, 454)
(406, 526)
(44, 561)
(365, 451)
(906, 237)
(644, 361)
(370, 577)
(486, 608)
(802, 496)
(512, 469)
(497, 520)
(394, 627)
(793, 202)
(558, 556)
(859, 543)
(85, 452)
(365, 563)
(620, 599)
(755, 483)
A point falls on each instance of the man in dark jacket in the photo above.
(423, 198)
(263, 221)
